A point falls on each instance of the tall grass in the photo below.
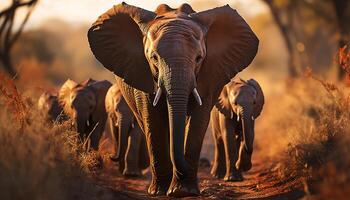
(319, 137)
(39, 160)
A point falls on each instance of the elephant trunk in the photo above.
(178, 88)
(81, 123)
(246, 147)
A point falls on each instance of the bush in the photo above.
(319, 149)
(39, 160)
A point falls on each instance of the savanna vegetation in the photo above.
(302, 137)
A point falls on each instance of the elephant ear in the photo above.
(223, 103)
(64, 94)
(231, 47)
(260, 100)
(100, 89)
(116, 41)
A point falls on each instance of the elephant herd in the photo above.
(175, 73)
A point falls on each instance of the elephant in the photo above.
(84, 103)
(232, 123)
(49, 106)
(171, 65)
(131, 151)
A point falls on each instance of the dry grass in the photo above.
(39, 160)
(310, 124)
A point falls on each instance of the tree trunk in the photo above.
(8, 66)
(286, 37)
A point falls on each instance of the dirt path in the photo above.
(260, 183)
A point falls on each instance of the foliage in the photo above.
(9, 34)
(319, 148)
(39, 160)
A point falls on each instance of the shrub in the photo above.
(39, 160)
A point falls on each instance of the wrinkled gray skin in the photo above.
(84, 103)
(172, 65)
(131, 149)
(49, 106)
(232, 122)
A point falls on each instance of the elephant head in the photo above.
(177, 53)
(84, 103)
(49, 105)
(243, 101)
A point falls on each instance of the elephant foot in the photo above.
(131, 173)
(183, 188)
(234, 177)
(158, 188)
(219, 174)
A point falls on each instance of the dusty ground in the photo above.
(260, 183)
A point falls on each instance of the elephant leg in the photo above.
(231, 149)
(114, 133)
(218, 169)
(187, 184)
(132, 154)
(154, 123)
(143, 154)
(156, 130)
(161, 167)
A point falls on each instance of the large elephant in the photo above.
(172, 65)
(49, 106)
(232, 122)
(131, 151)
(84, 103)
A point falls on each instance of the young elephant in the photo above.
(49, 106)
(232, 121)
(131, 153)
(84, 103)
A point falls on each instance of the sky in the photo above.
(78, 12)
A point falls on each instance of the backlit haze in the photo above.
(78, 12)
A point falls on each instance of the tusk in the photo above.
(238, 117)
(157, 97)
(88, 123)
(231, 114)
(197, 97)
(253, 118)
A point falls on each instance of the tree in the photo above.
(293, 18)
(340, 21)
(8, 34)
(285, 14)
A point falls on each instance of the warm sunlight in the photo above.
(84, 11)
(148, 99)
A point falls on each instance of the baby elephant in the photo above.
(49, 106)
(84, 103)
(131, 152)
(232, 121)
